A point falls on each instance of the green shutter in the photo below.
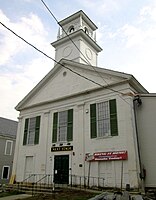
(25, 131)
(55, 120)
(37, 130)
(113, 117)
(70, 125)
(93, 121)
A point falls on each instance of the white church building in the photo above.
(78, 124)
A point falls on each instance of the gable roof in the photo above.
(8, 127)
(90, 80)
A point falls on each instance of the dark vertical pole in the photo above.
(121, 174)
(89, 173)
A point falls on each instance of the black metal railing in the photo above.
(45, 183)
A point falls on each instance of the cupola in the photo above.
(76, 40)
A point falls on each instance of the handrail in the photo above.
(74, 181)
(29, 177)
(41, 178)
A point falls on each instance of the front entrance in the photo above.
(61, 169)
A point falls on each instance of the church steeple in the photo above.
(82, 31)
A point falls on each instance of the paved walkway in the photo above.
(15, 197)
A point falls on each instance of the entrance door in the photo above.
(61, 169)
(29, 167)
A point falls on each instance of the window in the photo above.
(103, 119)
(5, 172)
(31, 131)
(63, 126)
(8, 147)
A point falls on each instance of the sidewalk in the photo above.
(15, 197)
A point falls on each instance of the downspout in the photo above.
(141, 174)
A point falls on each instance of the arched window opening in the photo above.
(71, 29)
(86, 30)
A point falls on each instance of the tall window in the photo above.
(63, 123)
(63, 126)
(8, 147)
(103, 119)
(31, 131)
(5, 172)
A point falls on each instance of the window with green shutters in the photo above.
(31, 131)
(62, 126)
(103, 119)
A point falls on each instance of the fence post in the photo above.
(89, 173)
(84, 182)
(71, 180)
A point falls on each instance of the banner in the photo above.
(111, 155)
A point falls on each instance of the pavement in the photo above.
(15, 197)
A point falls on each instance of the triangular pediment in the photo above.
(68, 79)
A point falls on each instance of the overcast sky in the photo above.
(126, 33)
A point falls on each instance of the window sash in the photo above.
(8, 147)
(103, 119)
(31, 131)
(63, 126)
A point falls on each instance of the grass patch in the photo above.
(65, 195)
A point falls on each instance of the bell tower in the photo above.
(76, 40)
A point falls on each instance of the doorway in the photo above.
(61, 169)
(29, 168)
